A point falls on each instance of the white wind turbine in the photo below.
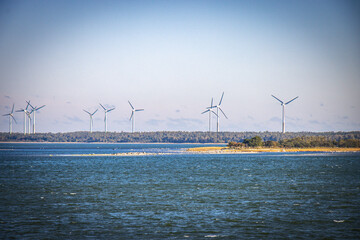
(33, 111)
(106, 111)
(209, 109)
(283, 110)
(132, 117)
(217, 112)
(25, 115)
(91, 118)
(11, 117)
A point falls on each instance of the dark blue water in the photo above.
(45, 193)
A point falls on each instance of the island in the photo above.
(298, 144)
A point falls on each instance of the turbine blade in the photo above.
(40, 107)
(94, 112)
(137, 110)
(221, 98)
(212, 102)
(131, 105)
(20, 110)
(223, 112)
(13, 118)
(87, 112)
(291, 100)
(277, 99)
(102, 107)
(206, 111)
(7, 114)
(12, 110)
(29, 104)
(110, 110)
(214, 112)
(132, 113)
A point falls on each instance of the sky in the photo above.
(172, 57)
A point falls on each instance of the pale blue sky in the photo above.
(172, 57)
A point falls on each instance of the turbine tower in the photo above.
(25, 115)
(28, 114)
(91, 118)
(209, 109)
(132, 117)
(217, 113)
(11, 117)
(105, 118)
(33, 111)
(283, 110)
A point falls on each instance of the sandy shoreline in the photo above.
(113, 143)
(224, 150)
(115, 154)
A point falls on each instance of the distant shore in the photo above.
(113, 143)
(223, 150)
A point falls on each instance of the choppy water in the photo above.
(177, 196)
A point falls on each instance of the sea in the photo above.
(52, 191)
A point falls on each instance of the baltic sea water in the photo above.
(46, 192)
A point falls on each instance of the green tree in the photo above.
(271, 144)
(254, 142)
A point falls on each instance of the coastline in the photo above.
(115, 154)
(225, 150)
(12, 142)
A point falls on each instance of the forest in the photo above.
(172, 137)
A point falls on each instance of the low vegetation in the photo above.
(297, 142)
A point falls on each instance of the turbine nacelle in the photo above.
(218, 107)
(11, 117)
(134, 110)
(27, 115)
(282, 103)
(132, 117)
(209, 110)
(11, 114)
(91, 114)
(106, 110)
(91, 117)
(283, 110)
(33, 110)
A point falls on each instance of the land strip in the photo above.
(222, 150)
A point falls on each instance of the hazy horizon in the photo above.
(172, 57)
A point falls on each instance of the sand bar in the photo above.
(224, 150)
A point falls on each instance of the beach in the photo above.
(224, 150)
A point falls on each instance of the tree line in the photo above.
(297, 142)
(172, 137)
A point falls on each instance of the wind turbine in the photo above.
(217, 112)
(91, 118)
(11, 117)
(106, 111)
(209, 109)
(33, 111)
(25, 114)
(283, 110)
(132, 117)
